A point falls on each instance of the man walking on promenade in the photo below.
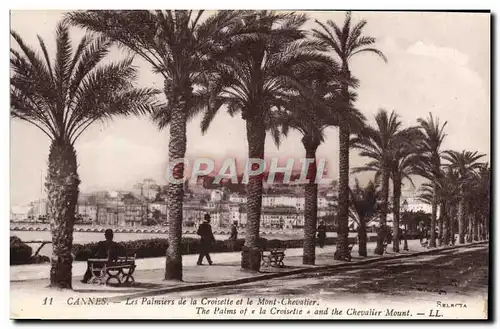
(207, 238)
(321, 234)
(234, 235)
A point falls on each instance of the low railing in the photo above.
(43, 243)
(149, 229)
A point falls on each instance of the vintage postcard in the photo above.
(320, 165)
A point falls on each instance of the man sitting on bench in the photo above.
(107, 249)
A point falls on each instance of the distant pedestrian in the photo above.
(321, 234)
(207, 239)
(388, 235)
(425, 233)
(234, 235)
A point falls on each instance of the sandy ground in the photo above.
(455, 278)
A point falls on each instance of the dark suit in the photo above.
(207, 238)
(233, 237)
(321, 235)
(234, 233)
(109, 250)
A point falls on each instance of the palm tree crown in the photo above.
(62, 98)
(175, 43)
(387, 145)
(431, 152)
(465, 163)
(347, 40)
(256, 69)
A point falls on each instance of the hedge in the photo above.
(20, 252)
(156, 247)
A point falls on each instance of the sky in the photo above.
(437, 62)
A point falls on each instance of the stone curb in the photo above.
(162, 291)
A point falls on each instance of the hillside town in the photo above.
(145, 205)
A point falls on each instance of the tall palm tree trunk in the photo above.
(482, 228)
(256, 135)
(310, 207)
(469, 228)
(453, 215)
(432, 243)
(461, 221)
(362, 237)
(446, 224)
(479, 229)
(487, 226)
(440, 225)
(62, 196)
(396, 208)
(175, 192)
(382, 232)
(475, 235)
(342, 250)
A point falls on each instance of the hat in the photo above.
(206, 218)
(108, 233)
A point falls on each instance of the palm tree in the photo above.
(477, 194)
(387, 145)
(254, 75)
(320, 108)
(345, 41)
(447, 189)
(430, 162)
(312, 136)
(403, 162)
(363, 207)
(465, 163)
(482, 200)
(176, 44)
(63, 98)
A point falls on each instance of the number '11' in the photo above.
(47, 301)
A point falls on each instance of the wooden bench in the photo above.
(273, 257)
(120, 270)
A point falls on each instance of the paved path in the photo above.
(33, 279)
(41, 271)
(452, 284)
(462, 272)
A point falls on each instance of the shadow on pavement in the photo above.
(456, 271)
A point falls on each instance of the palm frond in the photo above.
(79, 92)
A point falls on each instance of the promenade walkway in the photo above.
(150, 271)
